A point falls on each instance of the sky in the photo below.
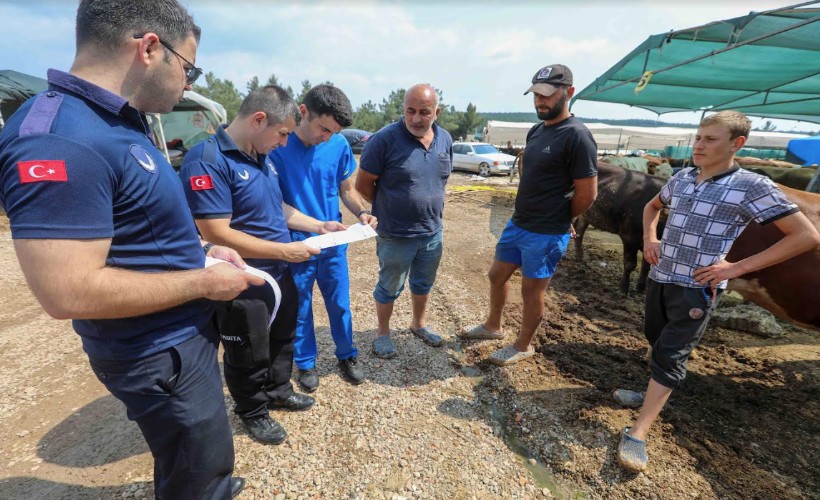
(480, 51)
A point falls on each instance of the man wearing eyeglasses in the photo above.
(104, 237)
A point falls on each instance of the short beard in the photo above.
(554, 111)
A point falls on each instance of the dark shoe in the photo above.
(351, 370)
(294, 402)
(308, 379)
(265, 429)
(237, 485)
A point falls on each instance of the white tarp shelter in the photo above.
(616, 137)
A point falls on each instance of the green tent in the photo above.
(15, 89)
(764, 64)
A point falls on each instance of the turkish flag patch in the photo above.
(41, 171)
(201, 182)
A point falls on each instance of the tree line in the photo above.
(368, 116)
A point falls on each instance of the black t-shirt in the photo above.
(553, 157)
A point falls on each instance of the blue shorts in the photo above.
(537, 254)
(399, 257)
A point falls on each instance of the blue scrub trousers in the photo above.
(334, 284)
(175, 397)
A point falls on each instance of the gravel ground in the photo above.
(442, 422)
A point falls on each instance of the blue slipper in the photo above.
(429, 337)
(632, 452)
(384, 347)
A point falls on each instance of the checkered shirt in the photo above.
(706, 218)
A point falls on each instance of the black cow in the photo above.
(622, 195)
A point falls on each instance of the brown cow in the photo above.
(622, 194)
(791, 289)
(797, 178)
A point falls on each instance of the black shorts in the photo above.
(676, 318)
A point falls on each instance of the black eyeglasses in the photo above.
(192, 73)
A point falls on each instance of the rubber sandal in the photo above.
(632, 452)
(384, 347)
(429, 337)
(478, 332)
(510, 355)
(630, 399)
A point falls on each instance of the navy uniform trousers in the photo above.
(258, 360)
(176, 399)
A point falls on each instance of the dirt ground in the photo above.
(744, 426)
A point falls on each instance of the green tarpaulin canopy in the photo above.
(15, 89)
(764, 64)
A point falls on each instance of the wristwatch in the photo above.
(207, 247)
(365, 211)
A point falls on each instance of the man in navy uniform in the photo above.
(103, 236)
(232, 189)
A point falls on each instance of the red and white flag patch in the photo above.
(201, 182)
(41, 171)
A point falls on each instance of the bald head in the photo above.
(420, 109)
(422, 91)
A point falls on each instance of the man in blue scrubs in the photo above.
(404, 169)
(103, 236)
(232, 189)
(315, 170)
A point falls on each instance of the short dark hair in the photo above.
(107, 24)
(272, 100)
(326, 99)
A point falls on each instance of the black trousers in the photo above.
(258, 360)
(176, 399)
(675, 321)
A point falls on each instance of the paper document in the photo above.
(210, 261)
(356, 232)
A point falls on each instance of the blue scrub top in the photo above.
(223, 182)
(310, 176)
(77, 162)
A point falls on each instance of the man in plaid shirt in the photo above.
(709, 206)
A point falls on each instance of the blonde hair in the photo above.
(735, 121)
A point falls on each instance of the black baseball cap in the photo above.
(549, 79)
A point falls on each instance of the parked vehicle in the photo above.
(481, 158)
(193, 119)
(356, 138)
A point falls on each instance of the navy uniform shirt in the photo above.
(77, 162)
(310, 178)
(409, 198)
(554, 156)
(223, 182)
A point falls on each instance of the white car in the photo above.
(482, 158)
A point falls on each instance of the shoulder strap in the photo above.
(209, 150)
(41, 114)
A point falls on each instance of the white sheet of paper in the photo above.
(277, 292)
(356, 232)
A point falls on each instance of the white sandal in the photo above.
(480, 332)
(510, 355)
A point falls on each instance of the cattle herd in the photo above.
(789, 289)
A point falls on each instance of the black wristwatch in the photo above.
(207, 247)
(365, 211)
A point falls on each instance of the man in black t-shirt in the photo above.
(560, 182)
